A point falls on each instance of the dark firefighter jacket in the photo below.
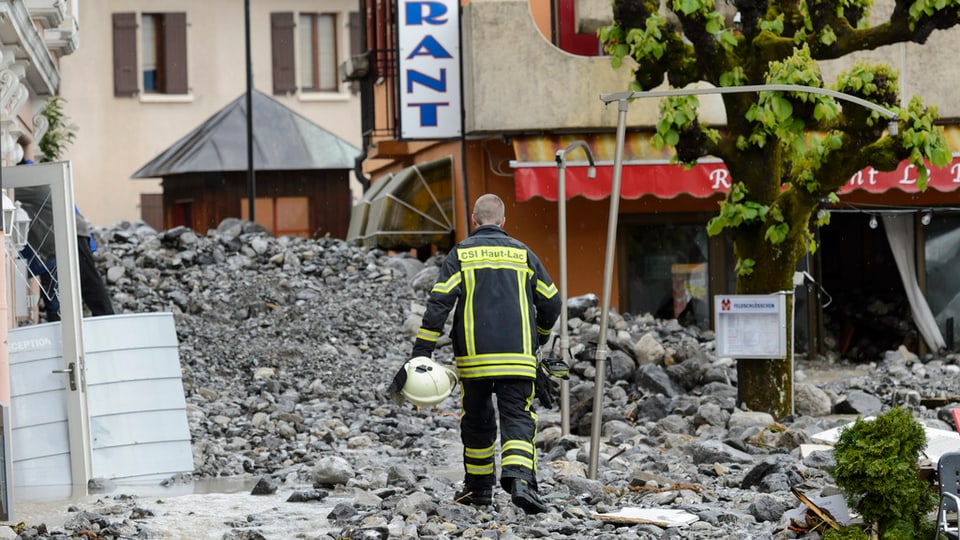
(505, 303)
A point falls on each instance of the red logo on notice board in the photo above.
(725, 305)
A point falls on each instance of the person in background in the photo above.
(505, 307)
(40, 254)
(93, 290)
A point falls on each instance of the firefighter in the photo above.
(505, 305)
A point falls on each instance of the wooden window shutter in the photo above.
(125, 75)
(356, 48)
(175, 53)
(281, 36)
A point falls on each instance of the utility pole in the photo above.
(251, 173)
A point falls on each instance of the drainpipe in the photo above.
(467, 211)
(367, 105)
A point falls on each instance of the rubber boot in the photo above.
(524, 495)
(476, 496)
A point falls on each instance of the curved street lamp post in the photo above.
(564, 337)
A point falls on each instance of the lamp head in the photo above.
(9, 212)
(21, 227)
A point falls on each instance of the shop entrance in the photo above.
(866, 311)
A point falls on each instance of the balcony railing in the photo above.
(63, 40)
(50, 13)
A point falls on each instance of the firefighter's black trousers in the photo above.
(478, 431)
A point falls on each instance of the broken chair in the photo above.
(948, 474)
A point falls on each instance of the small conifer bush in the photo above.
(877, 469)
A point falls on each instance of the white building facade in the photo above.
(149, 73)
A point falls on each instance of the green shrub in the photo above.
(850, 532)
(60, 132)
(876, 467)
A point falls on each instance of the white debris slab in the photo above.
(939, 441)
(661, 517)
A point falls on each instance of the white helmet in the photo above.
(428, 383)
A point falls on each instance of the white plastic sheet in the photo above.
(899, 228)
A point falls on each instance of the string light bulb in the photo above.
(926, 218)
(873, 222)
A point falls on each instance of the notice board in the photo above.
(751, 326)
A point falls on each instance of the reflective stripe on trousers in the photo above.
(478, 431)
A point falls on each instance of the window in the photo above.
(150, 47)
(318, 52)
(307, 51)
(568, 38)
(667, 272)
(161, 67)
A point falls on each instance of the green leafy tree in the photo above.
(786, 151)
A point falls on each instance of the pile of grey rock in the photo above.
(288, 344)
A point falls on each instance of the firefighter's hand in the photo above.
(395, 390)
(545, 388)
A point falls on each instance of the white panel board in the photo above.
(139, 396)
(138, 428)
(126, 463)
(42, 471)
(135, 400)
(38, 409)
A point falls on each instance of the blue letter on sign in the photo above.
(435, 10)
(440, 85)
(429, 46)
(428, 113)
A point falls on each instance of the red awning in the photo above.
(662, 180)
(535, 172)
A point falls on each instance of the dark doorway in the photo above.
(868, 312)
(181, 213)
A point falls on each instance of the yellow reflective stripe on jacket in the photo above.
(525, 311)
(469, 317)
(547, 291)
(494, 265)
(491, 359)
(427, 335)
(497, 365)
(517, 372)
(450, 284)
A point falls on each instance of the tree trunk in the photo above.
(766, 384)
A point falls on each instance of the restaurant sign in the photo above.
(429, 67)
